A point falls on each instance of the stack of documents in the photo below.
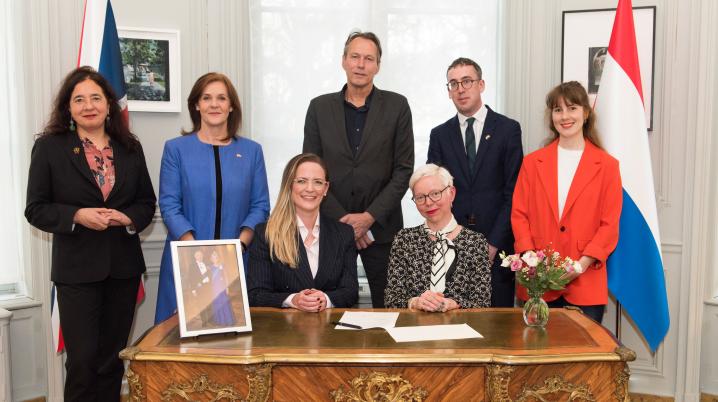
(359, 320)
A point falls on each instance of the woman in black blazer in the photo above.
(299, 258)
(88, 185)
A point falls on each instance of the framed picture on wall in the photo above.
(586, 34)
(151, 65)
(210, 286)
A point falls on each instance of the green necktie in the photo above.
(470, 143)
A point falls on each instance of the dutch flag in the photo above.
(635, 269)
(99, 49)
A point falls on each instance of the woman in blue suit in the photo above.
(213, 183)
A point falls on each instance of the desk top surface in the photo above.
(294, 336)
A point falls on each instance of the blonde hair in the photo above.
(281, 231)
(431, 169)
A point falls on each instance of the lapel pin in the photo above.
(239, 155)
(76, 150)
(487, 136)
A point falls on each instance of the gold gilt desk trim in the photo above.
(376, 358)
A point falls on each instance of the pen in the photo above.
(344, 324)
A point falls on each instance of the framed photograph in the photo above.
(151, 64)
(211, 287)
(586, 34)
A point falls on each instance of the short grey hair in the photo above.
(364, 35)
(431, 169)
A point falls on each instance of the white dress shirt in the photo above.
(312, 255)
(480, 117)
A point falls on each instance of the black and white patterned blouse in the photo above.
(468, 281)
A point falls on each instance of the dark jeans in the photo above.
(593, 312)
(375, 259)
(96, 319)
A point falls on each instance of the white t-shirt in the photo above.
(568, 160)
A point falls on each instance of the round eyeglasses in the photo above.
(465, 83)
(434, 196)
(305, 182)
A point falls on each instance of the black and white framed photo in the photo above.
(151, 65)
(586, 34)
(210, 286)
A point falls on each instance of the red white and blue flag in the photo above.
(635, 269)
(99, 49)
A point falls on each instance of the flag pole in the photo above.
(619, 313)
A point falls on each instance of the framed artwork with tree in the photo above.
(151, 65)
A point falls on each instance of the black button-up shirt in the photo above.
(354, 120)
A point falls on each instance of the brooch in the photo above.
(239, 155)
(76, 150)
(487, 136)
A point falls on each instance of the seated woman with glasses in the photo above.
(301, 259)
(440, 265)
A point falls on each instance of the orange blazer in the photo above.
(589, 225)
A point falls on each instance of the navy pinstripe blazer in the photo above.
(270, 282)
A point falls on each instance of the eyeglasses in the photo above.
(465, 83)
(434, 196)
(305, 182)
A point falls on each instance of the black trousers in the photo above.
(96, 319)
(503, 285)
(375, 259)
(595, 312)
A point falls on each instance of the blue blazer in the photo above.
(270, 282)
(487, 191)
(188, 198)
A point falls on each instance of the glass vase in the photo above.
(535, 311)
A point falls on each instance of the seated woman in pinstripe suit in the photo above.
(299, 258)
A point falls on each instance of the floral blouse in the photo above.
(101, 164)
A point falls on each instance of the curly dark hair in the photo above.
(59, 122)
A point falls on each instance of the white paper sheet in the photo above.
(368, 319)
(432, 333)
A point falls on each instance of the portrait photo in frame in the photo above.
(586, 34)
(151, 65)
(210, 286)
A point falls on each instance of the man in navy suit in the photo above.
(482, 150)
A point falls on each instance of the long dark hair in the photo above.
(234, 121)
(572, 92)
(59, 123)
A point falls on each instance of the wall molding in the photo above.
(699, 101)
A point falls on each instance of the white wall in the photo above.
(213, 36)
(709, 349)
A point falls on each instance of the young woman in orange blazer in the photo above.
(568, 195)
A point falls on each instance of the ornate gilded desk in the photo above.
(296, 356)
